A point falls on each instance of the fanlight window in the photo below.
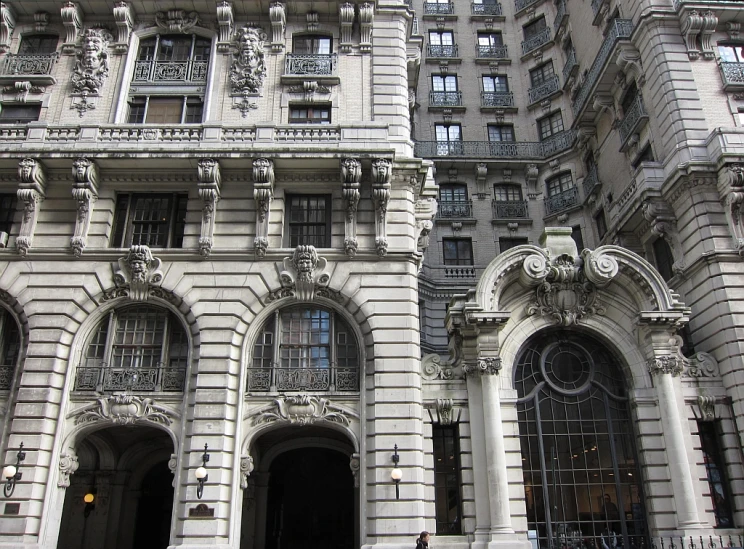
(305, 349)
(138, 348)
(580, 466)
(10, 348)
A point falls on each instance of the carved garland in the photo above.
(85, 192)
(210, 179)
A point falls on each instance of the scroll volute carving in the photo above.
(732, 179)
(225, 19)
(278, 16)
(366, 17)
(124, 17)
(382, 174)
(31, 191)
(85, 192)
(210, 179)
(351, 175)
(72, 19)
(263, 194)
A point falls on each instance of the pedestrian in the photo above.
(423, 540)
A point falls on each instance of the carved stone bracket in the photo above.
(483, 366)
(304, 273)
(351, 175)
(710, 22)
(425, 210)
(72, 19)
(246, 468)
(278, 16)
(248, 69)
(225, 20)
(139, 271)
(68, 464)
(666, 364)
(446, 412)
(707, 406)
(629, 61)
(433, 367)
(124, 409)
(41, 21)
(302, 410)
(699, 25)
(382, 174)
(7, 24)
(263, 193)
(210, 179)
(481, 171)
(85, 192)
(176, 20)
(664, 225)
(346, 15)
(124, 17)
(530, 177)
(355, 464)
(732, 191)
(366, 18)
(31, 191)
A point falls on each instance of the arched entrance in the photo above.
(125, 470)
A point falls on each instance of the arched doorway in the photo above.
(125, 471)
(580, 465)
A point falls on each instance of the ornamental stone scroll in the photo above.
(85, 192)
(278, 16)
(210, 179)
(351, 175)
(72, 19)
(382, 175)
(731, 183)
(225, 20)
(366, 18)
(31, 191)
(124, 17)
(263, 194)
(346, 20)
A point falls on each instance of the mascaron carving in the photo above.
(303, 410)
(304, 273)
(92, 67)
(248, 69)
(263, 194)
(124, 410)
(139, 270)
(85, 192)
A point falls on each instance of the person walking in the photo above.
(423, 540)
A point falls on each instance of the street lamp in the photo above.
(201, 474)
(396, 474)
(11, 473)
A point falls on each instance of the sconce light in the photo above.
(89, 499)
(396, 474)
(201, 474)
(11, 473)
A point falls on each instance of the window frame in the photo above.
(495, 79)
(11, 345)
(313, 37)
(528, 30)
(736, 52)
(440, 83)
(310, 108)
(4, 106)
(562, 187)
(26, 37)
(554, 126)
(289, 224)
(489, 39)
(601, 222)
(492, 129)
(440, 34)
(710, 447)
(7, 213)
(508, 243)
(442, 478)
(145, 100)
(123, 226)
(541, 74)
(507, 189)
(459, 259)
(663, 258)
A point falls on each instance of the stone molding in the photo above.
(124, 409)
(304, 273)
(31, 191)
(382, 174)
(139, 272)
(72, 19)
(351, 175)
(85, 192)
(176, 21)
(225, 20)
(302, 410)
(263, 194)
(210, 179)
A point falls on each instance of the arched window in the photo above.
(10, 348)
(138, 348)
(305, 349)
(580, 466)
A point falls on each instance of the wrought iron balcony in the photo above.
(520, 5)
(558, 143)
(732, 75)
(437, 8)
(455, 208)
(279, 379)
(620, 29)
(6, 377)
(103, 378)
(497, 99)
(445, 99)
(571, 66)
(485, 8)
(29, 64)
(497, 149)
(439, 50)
(509, 209)
(491, 52)
(562, 201)
(546, 89)
(170, 71)
(597, 6)
(540, 39)
(634, 120)
(310, 64)
(561, 16)
(591, 181)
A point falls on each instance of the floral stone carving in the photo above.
(68, 464)
(139, 271)
(302, 410)
(124, 410)
(304, 273)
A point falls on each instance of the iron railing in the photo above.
(620, 29)
(562, 201)
(697, 542)
(103, 378)
(445, 99)
(732, 74)
(441, 50)
(170, 71)
(497, 149)
(439, 8)
(546, 89)
(509, 209)
(570, 66)
(485, 8)
(310, 64)
(561, 16)
(459, 272)
(455, 208)
(542, 37)
(497, 99)
(520, 5)
(6, 377)
(29, 64)
(277, 379)
(558, 142)
(633, 117)
(491, 52)
(597, 5)
(590, 181)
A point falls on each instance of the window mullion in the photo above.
(276, 353)
(155, 57)
(129, 230)
(332, 353)
(108, 351)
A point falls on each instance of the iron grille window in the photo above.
(447, 483)
(542, 74)
(8, 203)
(457, 251)
(577, 237)
(19, 114)
(509, 243)
(10, 348)
(580, 466)
(316, 351)
(495, 83)
(534, 28)
(137, 348)
(506, 193)
(663, 258)
(165, 110)
(309, 220)
(38, 44)
(310, 114)
(500, 133)
(715, 468)
(560, 183)
(441, 83)
(309, 44)
(550, 125)
(453, 193)
(150, 219)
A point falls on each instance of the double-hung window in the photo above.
(449, 139)
(496, 83)
(457, 251)
(309, 220)
(550, 125)
(156, 220)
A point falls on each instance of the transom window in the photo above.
(559, 184)
(10, 348)
(305, 349)
(138, 348)
(310, 44)
(19, 114)
(310, 114)
(534, 28)
(541, 74)
(495, 83)
(150, 219)
(457, 251)
(500, 133)
(550, 125)
(507, 193)
(309, 220)
(38, 44)
(442, 83)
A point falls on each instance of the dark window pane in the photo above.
(155, 220)
(309, 221)
(578, 238)
(19, 114)
(663, 258)
(38, 44)
(535, 28)
(164, 110)
(509, 243)
(505, 193)
(312, 45)
(7, 211)
(715, 469)
(137, 107)
(447, 483)
(457, 251)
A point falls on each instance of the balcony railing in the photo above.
(170, 71)
(485, 8)
(520, 5)
(633, 119)
(562, 201)
(541, 38)
(571, 65)
(29, 64)
(733, 75)
(439, 8)
(491, 52)
(445, 99)
(279, 379)
(6, 377)
(546, 89)
(590, 181)
(497, 99)
(459, 272)
(620, 29)
(310, 64)
(597, 5)
(102, 378)
(438, 50)
(558, 143)
(497, 149)
(509, 209)
(561, 16)
(455, 208)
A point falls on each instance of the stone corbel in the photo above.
(710, 22)
(68, 464)
(124, 17)
(732, 189)
(382, 173)
(355, 463)
(72, 19)
(7, 24)
(445, 412)
(664, 225)
(707, 406)
(604, 104)
(210, 179)
(246, 468)
(530, 177)
(481, 171)
(366, 18)
(278, 16)
(629, 62)
(351, 175)
(41, 21)
(584, 137)
(691, 27)
(85, 192)
(225, 20)
(139, 271)
(263, 193)
(733, 29)
(176, 20)
(31, 191)
(346, 14)
(304, 273)
(312, 21)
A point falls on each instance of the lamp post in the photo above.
(201, 474)
(396, 474)
(11, 474)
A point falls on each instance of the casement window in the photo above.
(311, 44)
(541, 74)
(10, 348)
(457, 251)
(495, 83)
(550, 125)
(534, 28)
(559, 184)
(715, 468)
(500, 133)
(449, 139)
(601, 223)
(447, 479)
(453, 193)
(441, 38)
(38, 44)
(309, 220)
(156, 220)
(310, 114)
(731, 53)
(663, 258)
(442, 83)
(507, 193)
(19, 114)
(165, 110)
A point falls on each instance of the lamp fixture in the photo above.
(396, 474)
(201, 474)
(89, 499)
(11, 474)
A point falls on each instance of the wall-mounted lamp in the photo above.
(201, 474)
(396, 474)
(11, 473)
(89, 498)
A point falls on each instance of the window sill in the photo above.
(325, 79)
(34, 79)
